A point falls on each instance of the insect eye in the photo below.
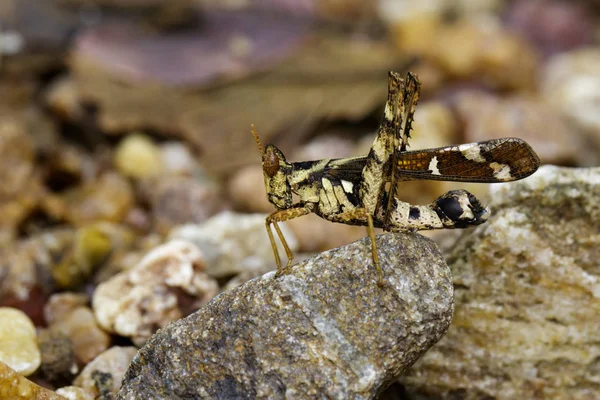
(271, 163)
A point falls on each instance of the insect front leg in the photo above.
(280, 216)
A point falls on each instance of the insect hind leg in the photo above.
(456, 209)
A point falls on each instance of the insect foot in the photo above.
(251, 341)
(459, 209)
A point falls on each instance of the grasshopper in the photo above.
(362, 190)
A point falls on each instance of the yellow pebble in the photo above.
(18, 342)
(137, 156)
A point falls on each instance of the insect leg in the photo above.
(273, 244)
(371, 231)
(377, 167)
(280, 216)
(362, 215)
(454, 209)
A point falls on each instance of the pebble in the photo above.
(109, 198)
(178, 159)
(26, 270)
(58, 359)
(176, 200)
(167, 284)
(103, 376)
(68, 314)
(326, 145)
(472, 46)
(15, 386)
(137, 156)
(74, 393)
(59, 305)
(232, 242)
(324, 331)
(246, 189)
(20, 185)
(18, 341)
(92, 245)
(553, 26)
(571, 83)
(80, 326)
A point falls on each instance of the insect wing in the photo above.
(497, 160)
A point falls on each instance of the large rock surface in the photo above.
(324, 331)
(527, 288)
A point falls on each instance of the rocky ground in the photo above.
(131, 195)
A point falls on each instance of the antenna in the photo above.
(256, 138)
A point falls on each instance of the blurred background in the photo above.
(137, 113)
(121, 120)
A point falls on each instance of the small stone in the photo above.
(74, 393)
(20, 185)
(246, 189)
(553, 26)
(14, 386)
(469, 48)
(18, 342)
(178, 159)
(26, 271)
(168, 283)
(59, 305)
(472, 46)
(102, 377)
(92, 245)
(324, 146)
(196, 57)
(326, 330)
(527, 297)
(80, 326)
(137, 156)
(180, 199)
(232, 243)
(571, 83)
(58, 359)
(434, 125)
(109, 198)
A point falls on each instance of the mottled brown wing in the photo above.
(498, 160)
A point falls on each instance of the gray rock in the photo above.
(527, 297)
(324, 331)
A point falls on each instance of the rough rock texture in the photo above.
(527, 297)
(16, 387)
(324, 331)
